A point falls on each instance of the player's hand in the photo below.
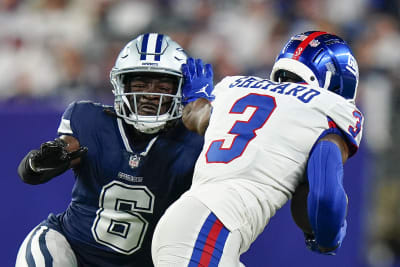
(312, 243)
(198, 81)
(54, 155)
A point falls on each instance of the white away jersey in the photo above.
(257, 145)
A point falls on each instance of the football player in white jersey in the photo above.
(263, 138)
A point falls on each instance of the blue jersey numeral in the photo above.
(244, 131)
(355, 130)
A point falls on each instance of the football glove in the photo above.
(198, 81)
(53, 155)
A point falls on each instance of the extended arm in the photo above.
(196, 115)
(327, 200)
(52, 159)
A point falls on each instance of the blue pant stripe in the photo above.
(28, 253)
(143, 50)
(160, 38)
(45, 251)
(201, 240)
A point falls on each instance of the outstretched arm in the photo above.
(196, 115)
(327, 200)
(52, 159)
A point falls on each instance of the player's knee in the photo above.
(175, 255)
(44, 245)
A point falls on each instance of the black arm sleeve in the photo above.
(30, 177)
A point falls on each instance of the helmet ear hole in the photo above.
(312, 78)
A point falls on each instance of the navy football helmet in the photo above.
(148, 53)
(320, 59)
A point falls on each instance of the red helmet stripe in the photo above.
(300, 49)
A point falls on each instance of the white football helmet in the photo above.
(148, 53)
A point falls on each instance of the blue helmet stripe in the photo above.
(143, 51)
(160, 38)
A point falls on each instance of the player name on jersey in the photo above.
(303, 93)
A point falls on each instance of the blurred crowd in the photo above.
(58, 51)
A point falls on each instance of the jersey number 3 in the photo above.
(356, 130)
(244, 131)
(118, 225)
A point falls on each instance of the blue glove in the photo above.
(198, 81)
(312, 244)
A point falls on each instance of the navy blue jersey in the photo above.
(122, 187)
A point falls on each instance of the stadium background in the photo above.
(53, 52)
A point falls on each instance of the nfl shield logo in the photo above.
(134, 161)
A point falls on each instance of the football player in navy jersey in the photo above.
(130, 162)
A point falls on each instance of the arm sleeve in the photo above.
(327, 200)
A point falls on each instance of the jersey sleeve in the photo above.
(350, 121)
(79, 119)
(65, 127)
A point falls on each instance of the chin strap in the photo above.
(328, 77)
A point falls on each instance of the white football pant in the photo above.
(45, 247)
(190, 235)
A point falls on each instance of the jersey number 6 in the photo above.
(118, 225)
(244, 131)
